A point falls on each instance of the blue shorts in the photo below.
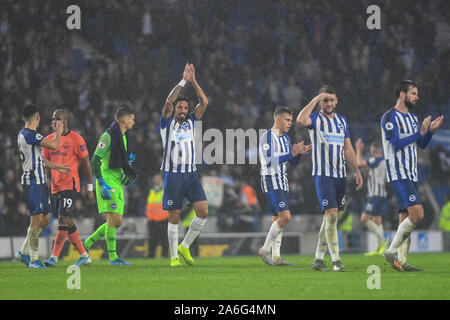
(181, 185)
(376, 206)
(330, 192)
(36, 198)
(406, 192)
(63, 203)
(278, 200)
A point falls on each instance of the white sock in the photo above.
(194, 229)
(322, 244)
(54, 257)
(84, 255)
(403, 250)
(403, 232)
(274, 231)
(25, 249)
(372, 226)
(381, 231)
(172, 233)
(33, 236)
(276, 245)
(332, 236)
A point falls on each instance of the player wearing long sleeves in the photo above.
(275, 151)
(401, 135)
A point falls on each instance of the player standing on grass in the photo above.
(112, 167)
(375, 206)
(275, 150)
(401, 134)
(180, 173)
(331, 149)
(34, 182)
(65, 188)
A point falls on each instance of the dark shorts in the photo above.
(330, 192)
(278, 200)
(36, 198)
(376, 206)
(181, 185)
(406, 192)
(63, 203)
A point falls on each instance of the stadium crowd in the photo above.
(249, 58)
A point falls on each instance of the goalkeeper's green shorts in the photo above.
(116, 204)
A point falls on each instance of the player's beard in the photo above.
(328, 112)
(181, 117)
(409, 104)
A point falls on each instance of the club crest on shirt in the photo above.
(266, 147)
(38, 136)
(101, 145)
(340, 126)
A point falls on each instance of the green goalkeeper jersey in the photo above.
(103, 151)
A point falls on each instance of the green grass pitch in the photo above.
(230, 278)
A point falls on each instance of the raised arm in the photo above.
(200, 109)
(173, 95)
(54, 144)
(303, 117)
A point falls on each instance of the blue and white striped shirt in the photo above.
(178, 143)
(376, 182)
(30, 150)
(274, 153)
(400, 134)
(327, 138)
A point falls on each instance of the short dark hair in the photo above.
(123, 112)
(29, 110)
(281, 110)
(181, 98)
(404, 86)
(328, 89)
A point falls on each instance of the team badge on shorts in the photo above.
(169, 202)
(324, 202)
(282, 204)
(113, 206)
(412, 198)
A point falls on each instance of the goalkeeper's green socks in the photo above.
(110, 235)
(97, 235)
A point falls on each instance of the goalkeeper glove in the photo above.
(127, 180)
(104, 189)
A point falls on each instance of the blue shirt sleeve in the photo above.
(390, 128)
(163, 123)
(192, 117)
(32, 137)
(313, 118)
(373, 162)
(347, 131)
